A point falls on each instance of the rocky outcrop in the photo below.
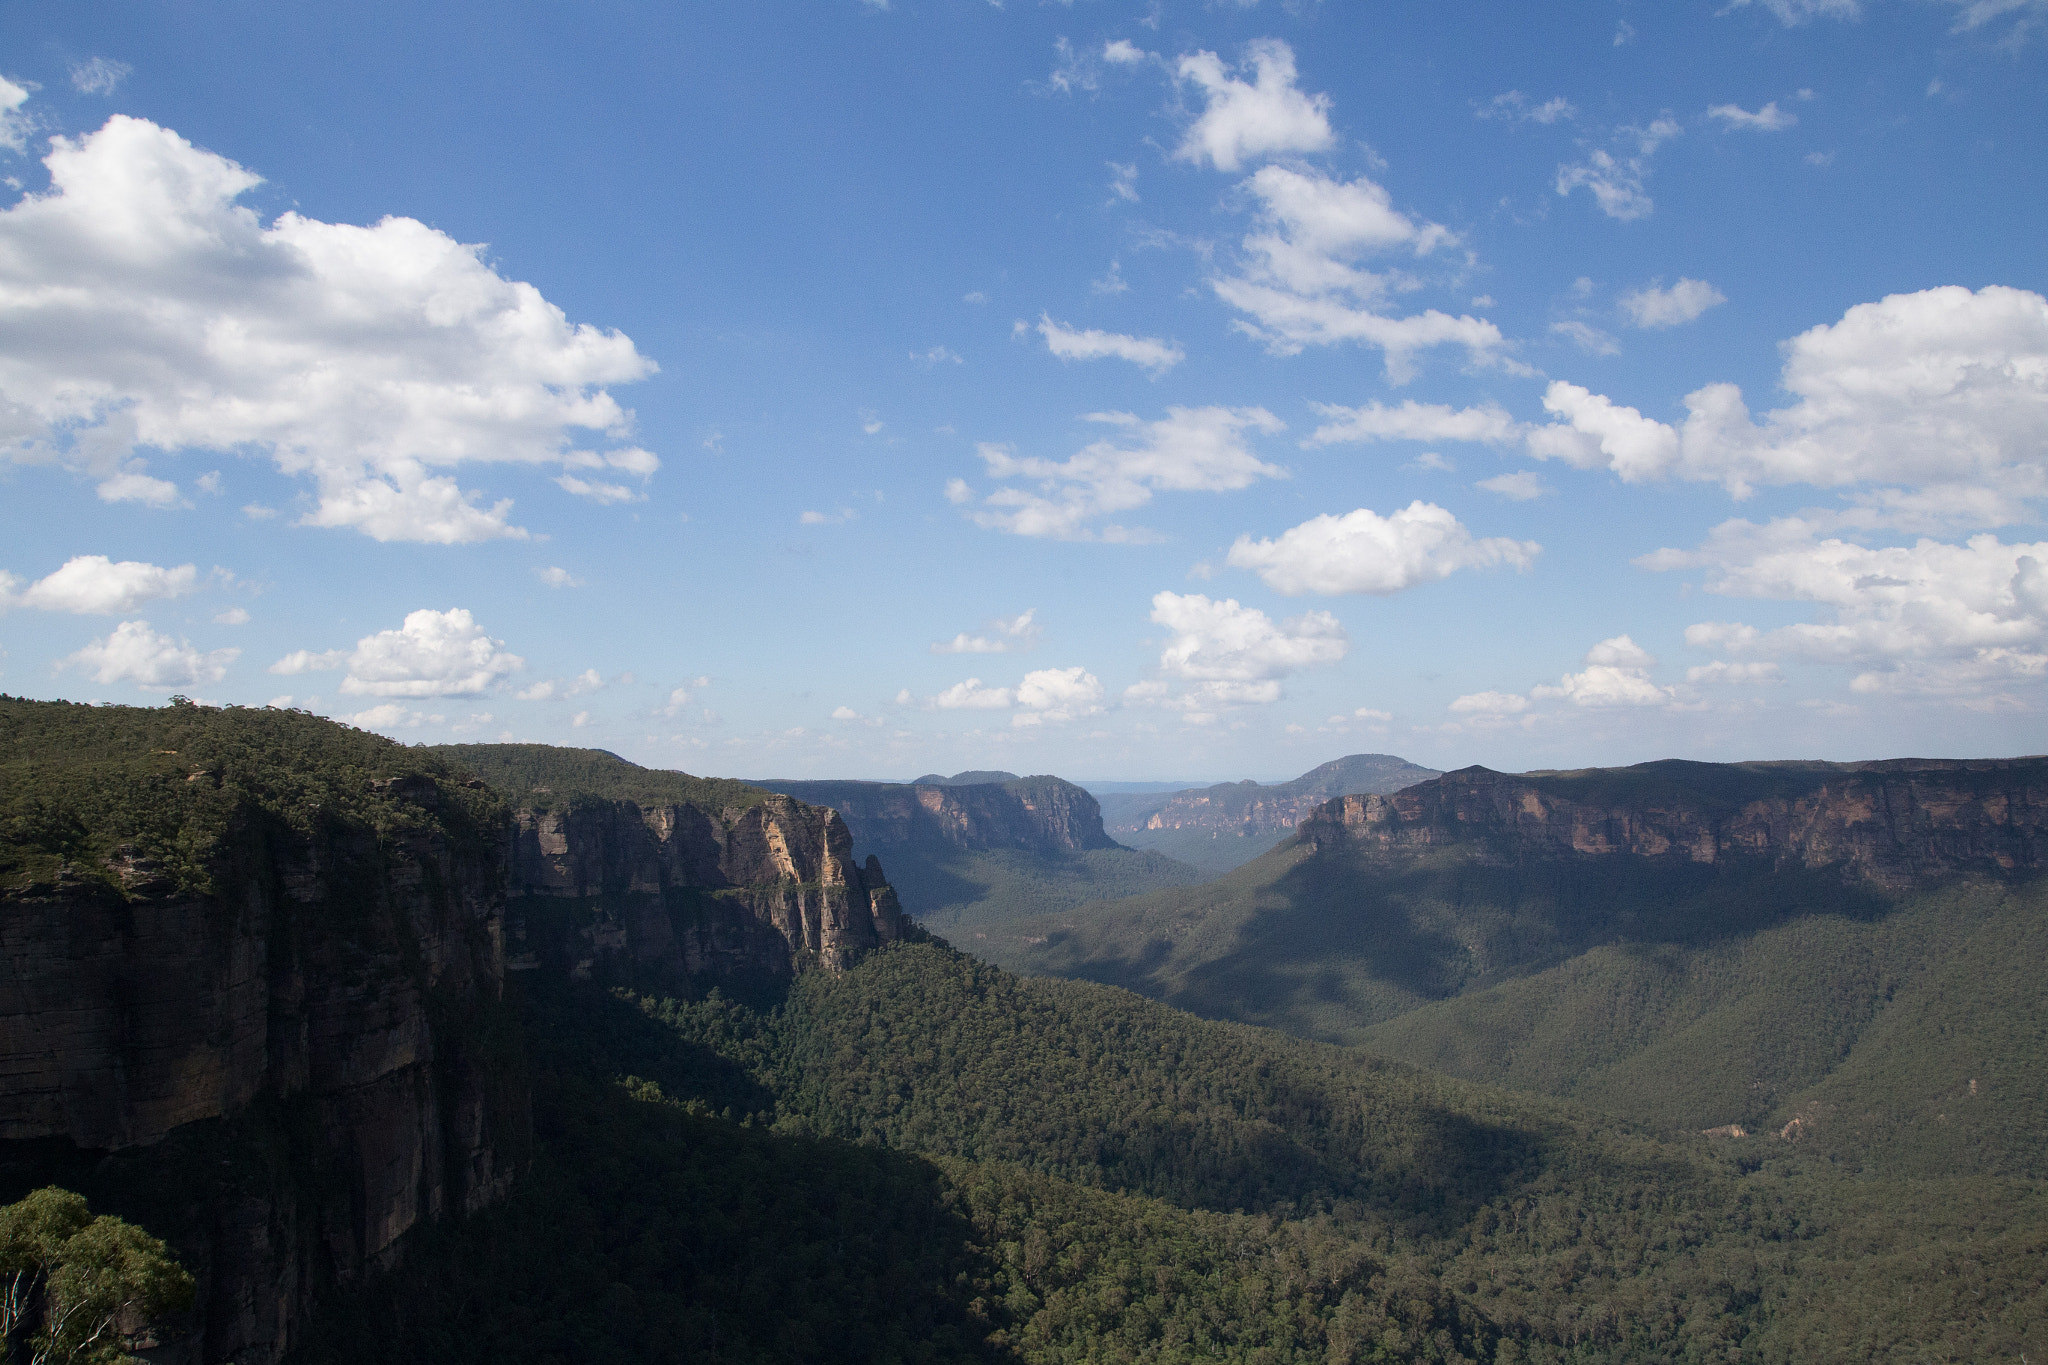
(1251, 808)
(673, 891)
(323, 1004)
(1894, 822)
(1033, 814)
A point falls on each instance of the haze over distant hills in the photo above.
(1219, 827)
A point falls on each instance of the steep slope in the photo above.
(1221, 827)
(256, 968)
(955, 1164)
(252, 999)
(966, 852)
(1692, 945)
(636, 875)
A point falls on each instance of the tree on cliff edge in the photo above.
(79, 1288)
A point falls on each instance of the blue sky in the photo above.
(1117, 390)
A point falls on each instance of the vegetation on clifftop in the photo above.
(542, 776)
(178, 786)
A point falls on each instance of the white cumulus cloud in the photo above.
(143, 308)
(1944, 389)
(1247, 119)
(434, 654)
(1769, 119)
(1148, 353)
(135, 653)
(1234, 655)
(1364, 552)
(1300, 282)
(1057, 695)
(1927, 616)
(970, 695)
(1653, 306)
(96, 585)
(1617, 674)
(1188, 450)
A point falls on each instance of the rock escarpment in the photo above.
(1892, 822)
(674, 890)
(253, 989)
(251, 1005)
(1033, 814)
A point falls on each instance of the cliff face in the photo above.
(1894, 821)
(326, 1001)
(1250, 808)
(252, 994)
(1033, 814)
(676, 890)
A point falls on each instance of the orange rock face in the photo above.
(1893, 821)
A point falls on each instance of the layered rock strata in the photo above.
(325, 1004)
(1894, 822)
(674, 890)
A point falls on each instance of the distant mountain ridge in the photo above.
(1222, 826)
(1892, 821)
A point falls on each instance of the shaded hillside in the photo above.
(253, 996)
(1224, 826)
(964, 853)
(954, 1164)
(1691, 945)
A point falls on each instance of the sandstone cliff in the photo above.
(1892, 822)
(1031, 814)
(648, 877)
(250, 988)
(254, 987)
(673, 890)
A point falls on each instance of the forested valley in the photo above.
(626, 1157)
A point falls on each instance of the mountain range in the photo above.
(521, 1054)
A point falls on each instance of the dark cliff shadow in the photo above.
(933, 883)
(645, 1233)
(587, 1029)
(1339, 928)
